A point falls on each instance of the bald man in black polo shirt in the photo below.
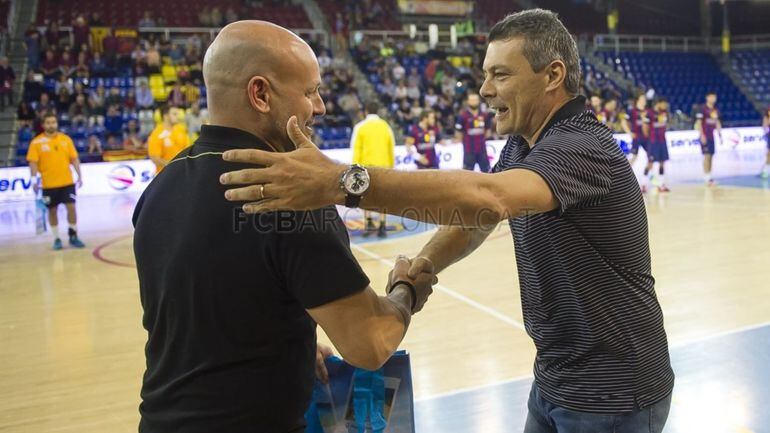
(576, 215)
(230, 300)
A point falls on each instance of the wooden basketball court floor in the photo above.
(71, 341)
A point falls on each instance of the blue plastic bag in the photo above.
(362, 401)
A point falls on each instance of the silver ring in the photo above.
(261, 192)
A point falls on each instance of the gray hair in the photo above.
(545, 40)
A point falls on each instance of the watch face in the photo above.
(356, 182)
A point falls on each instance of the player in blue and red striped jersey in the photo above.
(657, 147)
(640, 126)
(421, 141)
(708, 120)
(473, 128)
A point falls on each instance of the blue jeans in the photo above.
(546, 417)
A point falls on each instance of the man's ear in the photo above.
(259, 94)
(557, 74)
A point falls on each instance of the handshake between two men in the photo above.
(369, 345)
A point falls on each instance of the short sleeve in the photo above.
(71, 151)
(579, 172)
(312, 252)
(699, 115)
(32, 153)
(154, 146)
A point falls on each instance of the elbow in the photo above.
(367, 356)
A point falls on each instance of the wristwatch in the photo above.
(354, 182)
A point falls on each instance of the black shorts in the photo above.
(470, 159)
(53, 197)
(636, 144)
(709, 147)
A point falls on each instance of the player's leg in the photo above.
(382, 231)
(469, 160)
(708, 156)
(647, 177)
(483, 160)
(51, 198)
(72, 218)
(634, 152)
(766, 168)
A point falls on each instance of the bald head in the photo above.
(253, 71)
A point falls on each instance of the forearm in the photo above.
(452, 244)
(33, 170)
(447, 197)
(76, 164)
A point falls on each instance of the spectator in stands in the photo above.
(176, 54)
(230, 15)
(387, 90)
(153, 60)
(401, 91)
(63, 83)
(192, 93)
(147, 20)
(350, 103)
(144, 98)
(32, 87)
(176, 97)
(133, 141)
(82, 69)
(25, 115)
(94, 145)
(399, 73)
(324, 60)
(216, 17)
(113, 122)
(50, 66)
(97, 100)
(95, 20)
(81, 33)
(448, 84)
(431, 98)
(194, 119)
(413, 92)
(98, 66)
(204, 17)
(32, 44)
(596, 104)
(334, 114)
(114, 98)
(196, 71)
(7, 78)
(66, 65)
(63, 100)
(53, 36)
(79, 111)
(130, 101)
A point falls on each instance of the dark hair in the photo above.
(372, 107)
(425, 113)
(164, 109)
(49, 114)
(545, 40)
(711, 92)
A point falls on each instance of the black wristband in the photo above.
(412, 291)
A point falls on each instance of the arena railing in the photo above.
(655, 43)
(444, 40)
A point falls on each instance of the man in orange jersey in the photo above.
(50, 155)
(166, 141)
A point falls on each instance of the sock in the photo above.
(706, 177)
(55, 231)
(74, 227)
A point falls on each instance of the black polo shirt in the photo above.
(587, 291)
(230, 346)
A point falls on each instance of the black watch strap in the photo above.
(352, 201)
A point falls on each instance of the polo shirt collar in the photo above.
(231, 138)
(572, 108)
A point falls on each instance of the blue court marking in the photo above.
(722, 386)
(740, 181)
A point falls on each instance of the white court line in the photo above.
(460, 297)
(675, 345)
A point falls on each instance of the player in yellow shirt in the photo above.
(167, 139)
(50, 155)
(373, 146)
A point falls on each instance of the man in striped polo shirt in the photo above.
(576, 214)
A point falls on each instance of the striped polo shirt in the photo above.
(587, 291)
